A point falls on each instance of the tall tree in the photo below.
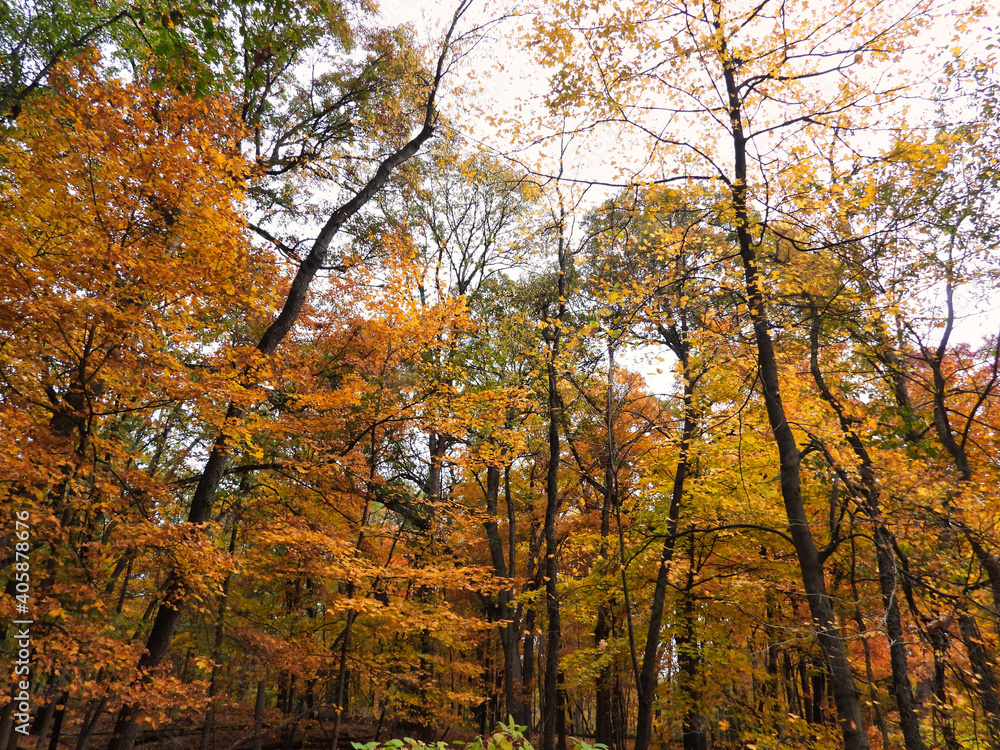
(203, 499)
(751, 78)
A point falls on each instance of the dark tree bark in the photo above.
(646, 687)
(955, 443)
(43, 719)
(158, 642)
(561, 713)
(869, 672)
(90, 720)
(503, 609)
(986, 683)
(209, 726)
(942, 705)
(868, 496)
(258, 716)
(604, 681)
(604, 729)
(550, 700)
(845, 693)
(57, 723)
(688, 660)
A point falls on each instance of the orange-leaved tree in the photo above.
(122, 214)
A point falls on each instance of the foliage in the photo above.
(507, 736)
(312, 453)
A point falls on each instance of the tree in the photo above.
(203, 498)
(125, 250)
(748, 75)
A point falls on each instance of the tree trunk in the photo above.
(868, 496)
(57, 723)
(553, 336)
(42, 721)
(528, 669)
(986, 685)
(646, 687)
(213, 686)
(258, 717)
(845, 693)
(509, 639)
(6, 724)
(158, 643)
(90, 724)
(869, 672)
(688, 659)
(561, 713)
(942, 705)
(603, 733)
(554, 628)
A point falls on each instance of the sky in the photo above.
(503, 82)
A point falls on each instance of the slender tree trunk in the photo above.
(512, 657)
(57, 723)
(158, 643)
(529, 660)
(688, 658)
(646, 686)
(258, 717)
(6, 724)
(770, 689)
(869, 672)
(603, 732)
(513, 679)
(908, 720)
(561, 713)
(209, 726)
(339, 707)
(791, 686)
(43, 719)
(845, 693)
(942, 704)
(985, 682)
(804, 689)
(509, 639)
(528, 668)
(437, 448)
(550, 701)
(868, 496)
(553, 627)
(90, 724)
(125, 581)
(819, 693)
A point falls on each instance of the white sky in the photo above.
(520, 80)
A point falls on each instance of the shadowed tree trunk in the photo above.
(503, 610)
(845, 693)
(986, 685)
(868, 497)
(550, 698)
(646, 688)
(158, 642)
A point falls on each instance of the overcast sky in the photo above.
(513, 87)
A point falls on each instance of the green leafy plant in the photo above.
(507, 736)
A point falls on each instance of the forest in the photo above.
(605, 376)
